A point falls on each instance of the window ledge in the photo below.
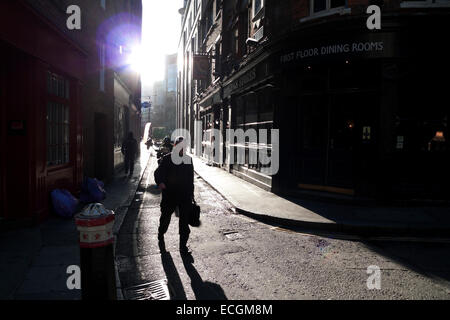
(326, 13)
(54, 168)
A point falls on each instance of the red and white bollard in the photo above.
(95, 226)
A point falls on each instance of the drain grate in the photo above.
(156, 290)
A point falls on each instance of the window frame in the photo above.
(424, 4)
(327, 11)
(64, 101)
(257, 14)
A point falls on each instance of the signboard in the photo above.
(370, 46)
(201, 67)
(243, 80)
(240, 83)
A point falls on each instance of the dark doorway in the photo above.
(334, 133)
(100, 144)
(312, 139)
(352, 140)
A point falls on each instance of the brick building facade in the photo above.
(58, 98)
(355, 114)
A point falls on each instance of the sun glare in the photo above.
(136, 60)
(156, 43)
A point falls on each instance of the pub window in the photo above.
(58, 122)
(265, 106)
(323, 5)
(57, 86)
(251, 112)
(257, 6)
(355, 75)
(209, 18)
(58, 134)
(240, 112)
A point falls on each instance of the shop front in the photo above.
(357, 117)
(249, 98)
(210, 118)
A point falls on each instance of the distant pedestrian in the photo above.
(177, 185)
(130, 150)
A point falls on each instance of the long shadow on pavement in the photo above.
(203, 290)
(173, 277)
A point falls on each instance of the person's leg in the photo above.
(127, 165)
(132, 160)
(185, 208)
(167, 208)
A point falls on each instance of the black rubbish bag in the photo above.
(194, 218)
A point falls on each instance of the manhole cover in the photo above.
(156, 290)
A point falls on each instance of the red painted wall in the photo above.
(29, 48)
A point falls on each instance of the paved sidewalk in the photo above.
(257, 203)
(34, 261)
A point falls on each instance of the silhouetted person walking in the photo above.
(177, 185)
(129, 150)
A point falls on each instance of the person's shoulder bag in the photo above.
(194, 219)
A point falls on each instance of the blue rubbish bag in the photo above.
(92, 191)
(64, 203)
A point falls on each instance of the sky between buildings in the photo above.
(161, 31)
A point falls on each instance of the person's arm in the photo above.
(123, 148)
(191, 178)
(161, 173)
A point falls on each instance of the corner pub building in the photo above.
(366, 114)
(362, 114)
